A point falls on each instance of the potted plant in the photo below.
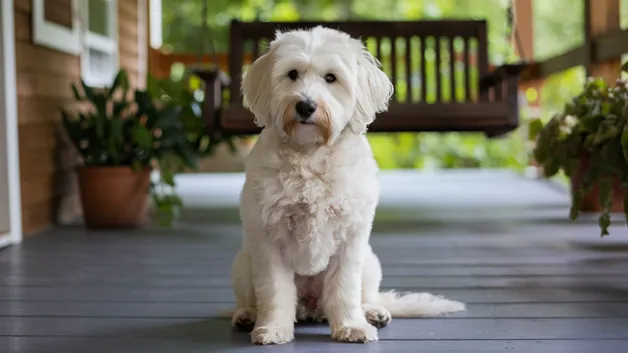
(588, 141)
(121, 138)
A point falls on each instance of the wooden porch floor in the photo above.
(533, 281)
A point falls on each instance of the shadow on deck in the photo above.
(533, 280)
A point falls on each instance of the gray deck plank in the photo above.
(222, 295)
(428, 257)
(310, 344)
(423, 282)
(398, 329)
(62, 270)
(63, 309)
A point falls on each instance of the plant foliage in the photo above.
(186, 93)
(592, 126)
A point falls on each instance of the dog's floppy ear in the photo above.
(256, 88)
(373, 90)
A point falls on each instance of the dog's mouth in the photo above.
(319, 121)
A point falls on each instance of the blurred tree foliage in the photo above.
(558, 26)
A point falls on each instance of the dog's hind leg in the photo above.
(376, 314)
(245, 315)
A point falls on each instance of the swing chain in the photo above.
(206, 37)
(511, 29)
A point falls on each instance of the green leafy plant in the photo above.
(117, 128)
(185, 92)
(593, 126)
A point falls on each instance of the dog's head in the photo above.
(312, 84)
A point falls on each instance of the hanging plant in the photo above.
(588, 141)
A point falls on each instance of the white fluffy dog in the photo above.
(310, 194)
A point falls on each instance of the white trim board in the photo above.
(5, 240)
(156, 30)
(8, 125)
(142, 42)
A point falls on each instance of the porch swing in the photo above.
(472, 99)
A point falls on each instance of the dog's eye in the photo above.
(293, 75)
(330, 78)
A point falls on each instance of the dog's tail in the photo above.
(417, 304)
(405, 305)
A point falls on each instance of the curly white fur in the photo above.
(310, 194)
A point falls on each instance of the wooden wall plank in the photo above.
(128, 9)
(128, 46)
(47, 162)
(44, 85)
(49, 187)
(28, 59)
(38, 217)
(129, 62)
(38, 136)
(58, 210)
(37, 110)
(23, 30)
(127, 27)
(23, 6)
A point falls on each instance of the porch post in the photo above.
(601, 16)
(524, 29)
(9, 160)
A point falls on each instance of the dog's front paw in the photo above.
(376, 315)
(244, 319)
(359, 334)
(272, 335)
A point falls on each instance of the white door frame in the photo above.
(10, 203)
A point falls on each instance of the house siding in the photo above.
(49, 187)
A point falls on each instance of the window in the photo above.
(56, 26)
(99, 57)
(88, 28)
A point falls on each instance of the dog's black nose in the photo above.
(306, 108)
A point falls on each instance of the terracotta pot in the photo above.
(590, 202)
(114, 197)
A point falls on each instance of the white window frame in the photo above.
(78, 40)
(106, 44)
(53, 35)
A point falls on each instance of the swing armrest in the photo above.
(216, 81)
(211, 75)
(500, 74)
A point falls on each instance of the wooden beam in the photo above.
(556, 64)
(601, 17)
(603, 47)
(524, 29)
(608, 45)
